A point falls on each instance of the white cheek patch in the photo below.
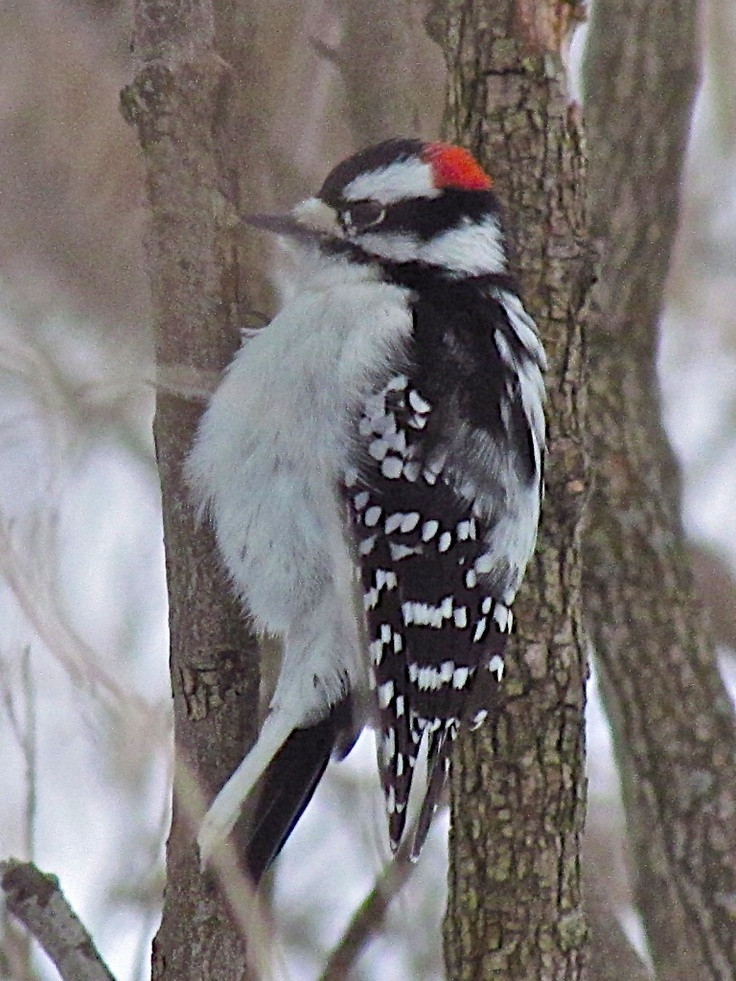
(411, 178)
(394, 246)
(473, 248)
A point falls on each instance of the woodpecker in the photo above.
(372, 464)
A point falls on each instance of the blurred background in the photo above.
(85, 723)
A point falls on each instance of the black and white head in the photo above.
(404, 203)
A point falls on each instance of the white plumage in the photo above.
(270, 451)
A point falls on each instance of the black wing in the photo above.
(438, 445)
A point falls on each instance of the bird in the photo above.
(372, 464)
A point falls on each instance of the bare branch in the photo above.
(37, 901)
(262, 950)
(82, 663)
(331, 55)
(23, 726)
(369, 916)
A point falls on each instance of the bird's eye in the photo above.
(362, 215)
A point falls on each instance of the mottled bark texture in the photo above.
(518, 785)
(672, 719)
(36, 899)
(183, 104)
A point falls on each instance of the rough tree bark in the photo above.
(36, 899)
(182, 103)
(672, 719)
(518, 786)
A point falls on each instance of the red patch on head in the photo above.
(454, 166)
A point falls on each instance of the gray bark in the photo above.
(672, 720)
(518, 785)
(184, 107)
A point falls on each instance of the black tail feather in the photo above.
(438, 766)
(287, 786)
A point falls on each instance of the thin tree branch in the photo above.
(329, 54)
(37, 901)
(369, 916)
(262, 950)
(84, 666)
(23, 725)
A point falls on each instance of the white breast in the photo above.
(276, 437)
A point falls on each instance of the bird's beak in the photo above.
(310, 219)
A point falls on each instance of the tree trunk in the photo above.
(518, 785)
(672, 719)
(182, 103)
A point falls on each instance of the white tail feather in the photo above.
(225, 809)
